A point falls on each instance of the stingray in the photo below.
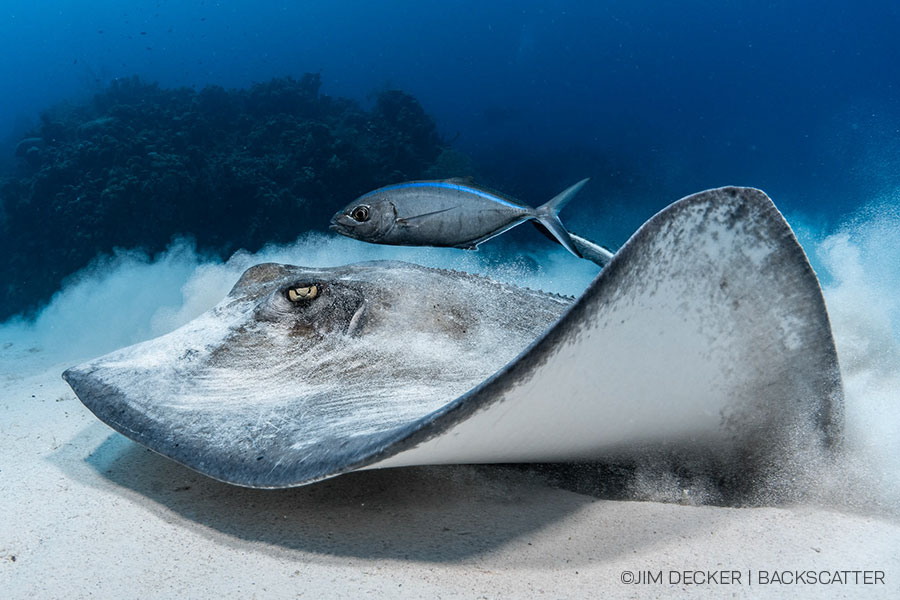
(706, 335)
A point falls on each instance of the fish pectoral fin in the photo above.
(406, 220)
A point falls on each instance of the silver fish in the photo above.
(451, 213)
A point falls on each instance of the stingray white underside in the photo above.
(706, 333)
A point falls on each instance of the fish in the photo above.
(705, 339)
(447, 213)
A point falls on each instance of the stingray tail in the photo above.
(548, 216)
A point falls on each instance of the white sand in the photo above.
(86, 513)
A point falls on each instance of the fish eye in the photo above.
(360, 214)
(300, 293)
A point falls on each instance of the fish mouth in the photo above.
(343, 224)
(336, 223)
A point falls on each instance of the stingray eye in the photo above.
(298, 294)
(360, 213)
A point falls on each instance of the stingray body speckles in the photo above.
(288, 366)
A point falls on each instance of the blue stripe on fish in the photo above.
(446, 185)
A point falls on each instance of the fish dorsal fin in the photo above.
(470, 183)
(466, 180)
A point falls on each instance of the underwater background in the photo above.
(152, 150)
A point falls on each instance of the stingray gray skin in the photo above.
(259, 389)
(451, 213)
(707, 331)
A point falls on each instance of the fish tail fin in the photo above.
(548, 216)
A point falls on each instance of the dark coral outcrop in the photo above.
(233, 169)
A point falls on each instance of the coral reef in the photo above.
(231, 168)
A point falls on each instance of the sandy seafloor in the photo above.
(89, 514)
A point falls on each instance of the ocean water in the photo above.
(651, 101)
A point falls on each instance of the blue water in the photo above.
(660, 99)
(651, 100)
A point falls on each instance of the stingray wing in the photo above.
(707, 332)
